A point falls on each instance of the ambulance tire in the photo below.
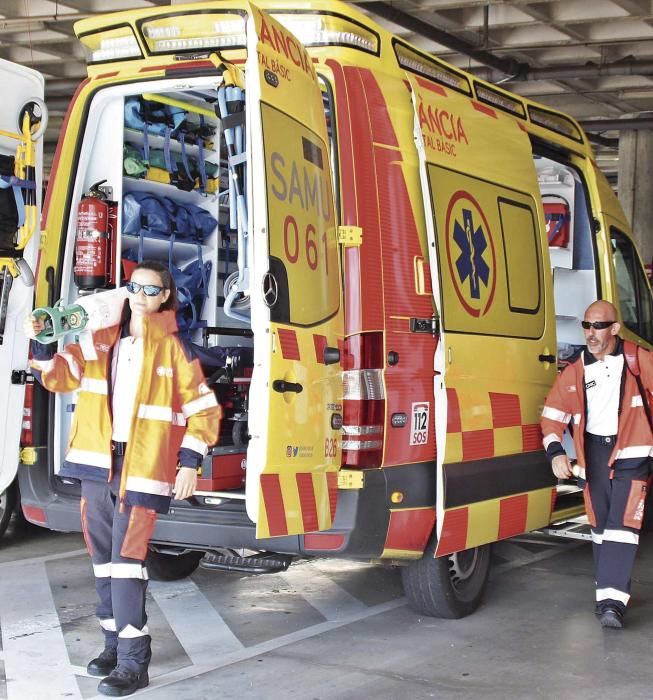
(171, 567)
(7, 506)
(451, 586)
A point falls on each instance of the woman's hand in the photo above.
(561, 467)
(185, 483)
(32, 326)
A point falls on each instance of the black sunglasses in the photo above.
(150, 290)
(596, 325)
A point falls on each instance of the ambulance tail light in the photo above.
(363, 401)
(26, 434)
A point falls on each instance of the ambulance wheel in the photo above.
(7, 506)
(171, 567)
(450, 586)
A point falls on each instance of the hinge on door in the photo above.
(350, 236)
(425, 325)
(351, 479)
(19, 376)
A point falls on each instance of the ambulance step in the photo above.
(260, 563)
(569, 530)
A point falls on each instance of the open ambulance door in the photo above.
(297, 317)
(496, 357)
(23, 90)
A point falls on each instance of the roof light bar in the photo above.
(190, 32)
(423, 65)
(316, 29)
(114, 44)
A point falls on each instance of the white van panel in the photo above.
(20, 86)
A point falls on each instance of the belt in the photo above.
(601, 439)
(118, 448)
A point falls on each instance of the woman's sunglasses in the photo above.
(150, 290)
(596, 325)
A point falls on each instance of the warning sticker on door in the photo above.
(419, 424)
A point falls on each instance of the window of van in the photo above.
(522, 256)
(303, 247)
(632, 286)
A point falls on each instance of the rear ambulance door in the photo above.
(297, 317)
(497, 353)
(20, 86)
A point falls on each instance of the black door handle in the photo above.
(547, 358)
(283, 386)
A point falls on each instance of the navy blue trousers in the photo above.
(616, 508)
(116, 539)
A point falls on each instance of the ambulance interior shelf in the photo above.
(103, 157)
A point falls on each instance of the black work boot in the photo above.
(612, 616)
(103, 664)
(121, 682)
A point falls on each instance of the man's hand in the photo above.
(561, 467)
(185, 483)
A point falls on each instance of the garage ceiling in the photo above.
(590, 58)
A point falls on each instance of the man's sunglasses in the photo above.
(150, 290)
(596, 325)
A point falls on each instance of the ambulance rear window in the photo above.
(303, 288)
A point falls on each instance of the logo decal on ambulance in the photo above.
(470, 253)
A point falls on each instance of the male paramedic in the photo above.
(143, 409)
(598, 393)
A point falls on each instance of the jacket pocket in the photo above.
(139, 530)
(634, 513)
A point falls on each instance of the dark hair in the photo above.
(166, 279)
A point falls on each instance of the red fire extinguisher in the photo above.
(95, 239)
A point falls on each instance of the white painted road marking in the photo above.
(36, 659)
(322, 592)
(197, 625)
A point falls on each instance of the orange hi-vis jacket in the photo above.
(566, 403)
(176, 416)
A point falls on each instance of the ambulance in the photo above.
(382, 260)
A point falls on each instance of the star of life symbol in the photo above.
(470, 254)
(470, 264)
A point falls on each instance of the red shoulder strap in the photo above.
(631, 356)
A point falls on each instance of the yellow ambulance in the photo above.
(389, 260)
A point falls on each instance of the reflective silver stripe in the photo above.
(548, 439)
(150, 412)
(611, 594)
(178, 419)
(634, 451)
(109, 624)
(362, 429)
(143, 485)
(94, 459)
(129, 571)
(43, 365)
(554, 414)
(597, 538)
(361, 444)
(577, 418)
(73, 366)
(192, 443)
(192, 407)
(636, 401)
(94, 386)
(620, 536)
(131, 632)
(102, 570)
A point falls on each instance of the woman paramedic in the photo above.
(143, 409)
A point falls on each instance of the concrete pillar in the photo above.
(635, 186)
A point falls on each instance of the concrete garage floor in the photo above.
(329, 629)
